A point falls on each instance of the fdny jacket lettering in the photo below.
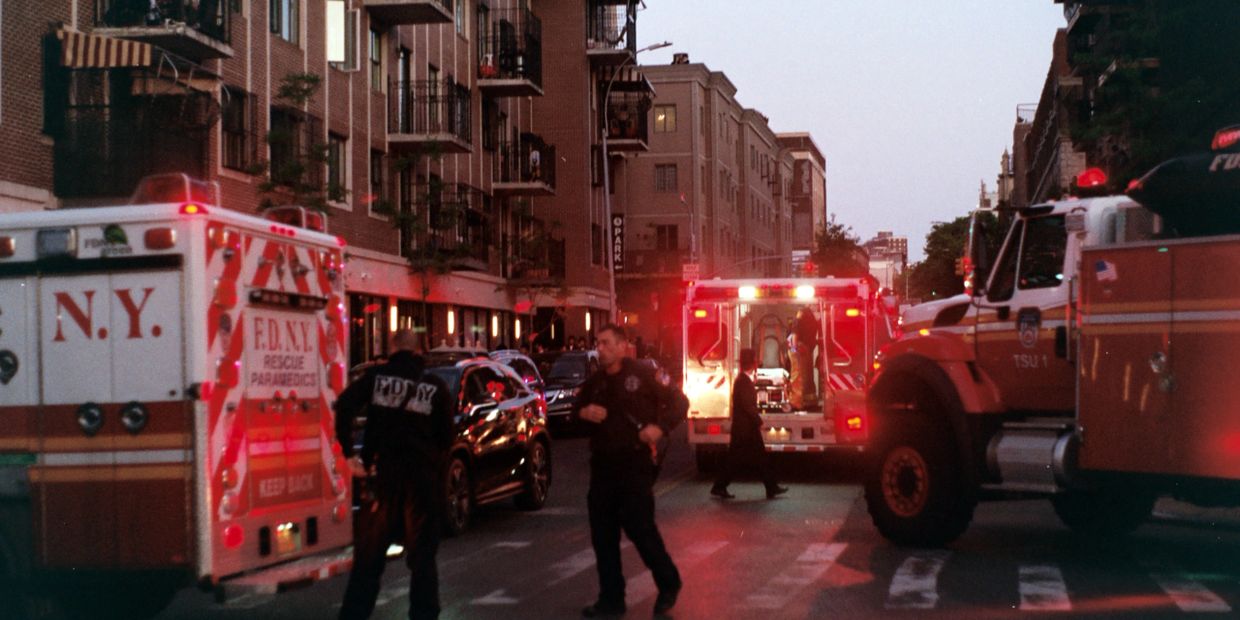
(398, 393)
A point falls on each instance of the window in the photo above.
(461, 19)
(237, 124)
(378, 189)
(664, 119)
(1042, 253)
(1003, 283)
(665, 178)
(285, 18)
(666, 237)
(350, 43)
(285, 140)
(336, 161)
(490, 123)
(376, 60)
(596, 244)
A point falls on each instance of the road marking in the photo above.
(497, 597)
(512, 544)
(507, 544)
(250, 601)
(915, 584)
(387, 595)
(576, 563)
(667, 486)
(641, 587)
(815, 561)
(1042, 588)
(558, 511)
(1188, 594)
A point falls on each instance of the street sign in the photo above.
(690, 272)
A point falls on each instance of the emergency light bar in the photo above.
(803, 292)
(300, 217)
(175, 187)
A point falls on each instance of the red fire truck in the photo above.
(1093, 368)
(807, 406)
(166, 374)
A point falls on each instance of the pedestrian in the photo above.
(407, 435)
(745, 447)
(631, 413)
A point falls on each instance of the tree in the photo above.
(538, 268)
(837, 252)
(293, 175)
(935, 277)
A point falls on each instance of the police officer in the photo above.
(631, 413)
(408, 433)
(745, 447)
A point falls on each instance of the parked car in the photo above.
(564, 372)
(501, 448)
(523, 366)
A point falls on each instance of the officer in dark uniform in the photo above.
(632, 413)
(408, 433)
(745, 447)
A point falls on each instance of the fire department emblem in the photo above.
(631, 383)
(1027, 324)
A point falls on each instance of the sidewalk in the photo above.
(1180, 512)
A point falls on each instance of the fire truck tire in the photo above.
(915, 491)
(537, 477)
(1108, 512)
(458, 497)
(706, 460)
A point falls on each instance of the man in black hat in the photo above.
(745, 447)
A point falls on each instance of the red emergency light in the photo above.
(1091, 177)
(1225, 138)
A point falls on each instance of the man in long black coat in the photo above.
(745, 448)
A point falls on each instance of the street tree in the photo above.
(837, 252)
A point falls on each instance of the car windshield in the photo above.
(568, 369)
(452, 376)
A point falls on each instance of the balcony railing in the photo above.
(545, 261)
(627, 126)
(446, 224)
(510, 59)
(429, 115)
(524, 168)
(611, 31)
(195, 30)
(402, 12)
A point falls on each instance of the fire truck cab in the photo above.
(814, 339)
(1093, 368)
(166, 374)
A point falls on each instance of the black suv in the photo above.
(502, 448)
(564, 372)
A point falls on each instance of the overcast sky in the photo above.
(911, 101)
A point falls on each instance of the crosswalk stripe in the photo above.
(1188, 594)
(576, 563)
(641, 587)
(915, 584)
(815, 561)
(1042, 588)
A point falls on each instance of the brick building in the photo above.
(807, 194)
(421, 138)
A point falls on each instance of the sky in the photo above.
(911, 101)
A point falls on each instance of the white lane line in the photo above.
(497, 597)
(812, 564)
(915, 585)
(506, 544)
(641, 587)
(512, 544)
(1188, 594)
(1042, 588)
(387, 595)
(576, 563)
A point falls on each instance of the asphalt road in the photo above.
(810, 554)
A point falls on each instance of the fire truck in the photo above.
(1094, 367)
(809, 409)
(166, 374)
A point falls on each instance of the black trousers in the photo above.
(405, 509)
(621, 498)
(749, 456)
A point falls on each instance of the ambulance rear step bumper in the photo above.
(284, 577)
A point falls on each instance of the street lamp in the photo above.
(611, 243)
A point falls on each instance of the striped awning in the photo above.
(631, 79)
(79, 50)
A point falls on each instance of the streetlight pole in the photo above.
(607, 215)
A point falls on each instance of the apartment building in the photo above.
(807, 194)
(711, 191)
(418, 135)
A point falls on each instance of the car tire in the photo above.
(537, 477)
(1108, 512)
(915, 491)
(458, 497)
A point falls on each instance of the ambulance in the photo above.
(1094, 367)
(166, 374)
(805, 407)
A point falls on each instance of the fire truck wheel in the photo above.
(458, 497)
(914, 491)
(706, 460)
(1108, 512)
(537, 478)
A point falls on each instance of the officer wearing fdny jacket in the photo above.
(630, 413)
(408, 433)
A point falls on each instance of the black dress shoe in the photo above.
(666, 600)
(721, 492)
(775, 491)
(600, 609)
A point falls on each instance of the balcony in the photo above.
(524, 168)
(445, 226)
(198, 33)
(510, 61)
(611, 32)
(404, 12)
(428, 116)
(627, 123)
(536, 260)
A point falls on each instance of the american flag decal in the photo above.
(1105, 271)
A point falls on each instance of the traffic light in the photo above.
(809, 268)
